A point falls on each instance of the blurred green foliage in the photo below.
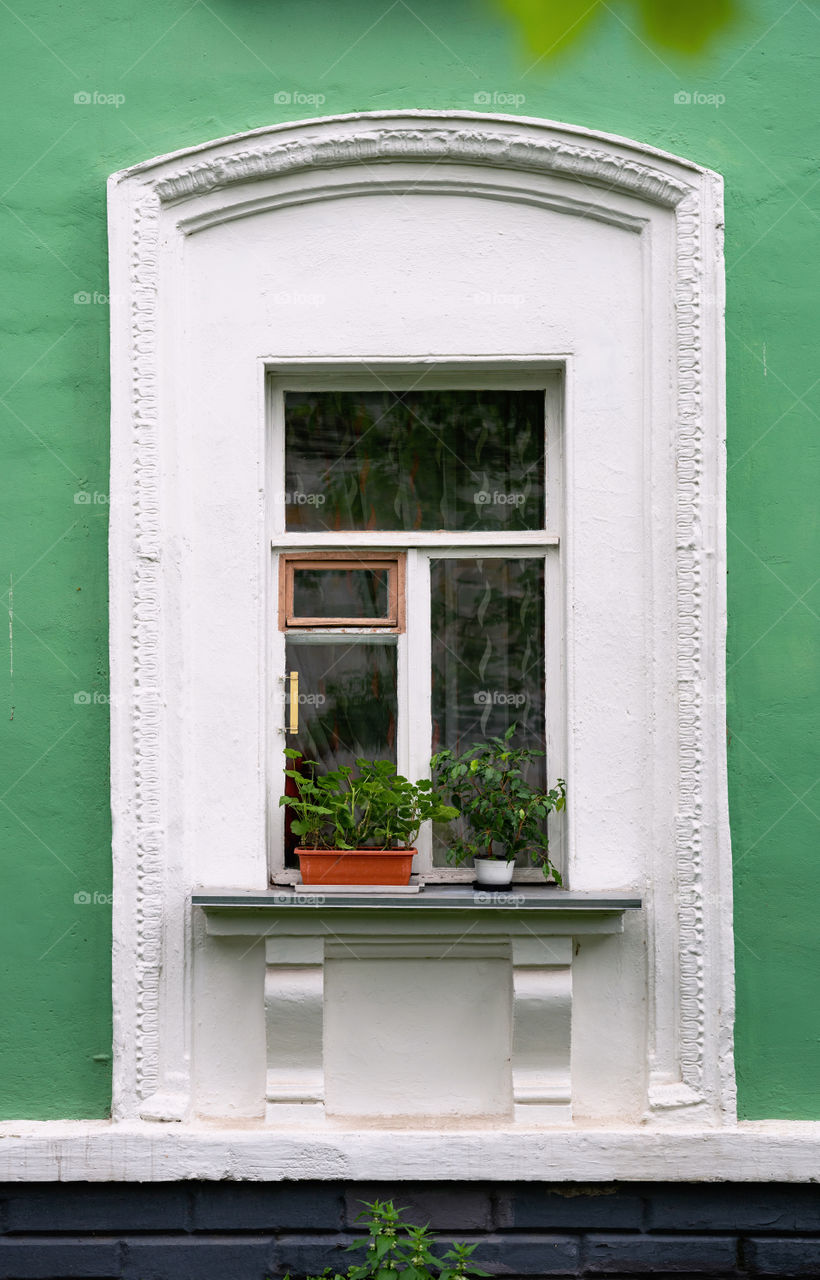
(682, 26)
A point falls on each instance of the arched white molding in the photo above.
(154, 207)
(528, 146)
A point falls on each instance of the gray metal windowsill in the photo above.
(523, 897)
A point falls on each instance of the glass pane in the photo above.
(347, 700)
(347, 705)
(455, 460)
(488, 655)
(341, 593)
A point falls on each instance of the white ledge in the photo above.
(102, 1151)
(436, 897)
(516, 911)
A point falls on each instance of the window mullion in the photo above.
(415, 703)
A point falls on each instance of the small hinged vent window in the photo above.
(342, 590)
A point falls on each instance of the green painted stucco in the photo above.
(194, 71)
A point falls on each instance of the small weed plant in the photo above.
(396, 1250)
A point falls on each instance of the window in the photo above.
(348, 591)
(415, 540)
(366, 269)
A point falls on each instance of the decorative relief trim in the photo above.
(327, 145)
(689, 464)
(145, 635)
(428, 145)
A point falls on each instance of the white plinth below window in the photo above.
(450, 1008)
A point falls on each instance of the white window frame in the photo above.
(413, 645)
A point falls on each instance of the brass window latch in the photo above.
(293, 685)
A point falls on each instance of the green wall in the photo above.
(192, 72)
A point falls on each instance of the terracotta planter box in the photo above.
(355, 866)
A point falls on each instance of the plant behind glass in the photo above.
(504, 816)
(374, 808)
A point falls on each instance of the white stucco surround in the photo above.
(394, 240)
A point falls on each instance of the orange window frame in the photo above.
(391, 562)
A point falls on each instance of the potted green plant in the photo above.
(503, 815)
(358, 826)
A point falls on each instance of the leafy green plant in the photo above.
(374, 808)
(504, 817)
(396, 1250)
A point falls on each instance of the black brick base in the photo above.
(251, 1231)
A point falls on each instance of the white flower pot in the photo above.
(493, 871)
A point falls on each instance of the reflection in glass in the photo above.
(456, 460)
(341, 593)
(347, 705)
(487, 619)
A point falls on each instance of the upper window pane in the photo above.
(453, 460)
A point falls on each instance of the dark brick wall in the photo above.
(251, 1231)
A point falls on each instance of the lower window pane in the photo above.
(347, 705)
(487, 620)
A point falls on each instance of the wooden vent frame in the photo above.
(391, 562)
